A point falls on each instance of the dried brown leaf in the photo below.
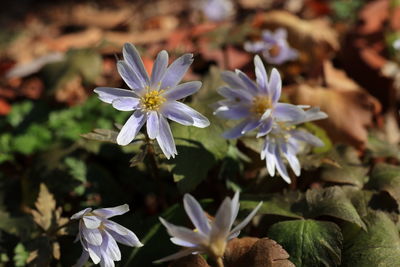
(350, 112)
(255, 252)
(302, 33)
(46, 215)
(45, 205)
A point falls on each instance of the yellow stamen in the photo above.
(152, 100)
(274, 51)
(260, 105)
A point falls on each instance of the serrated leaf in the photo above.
(76, 168)
(332, 201)
(309, 242)
(379, 246)
(45, 205)
(46, 215)
(20, 255)
(351, 171)
(385, 177)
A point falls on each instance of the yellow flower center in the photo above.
(286, 128)
(152, 100)
(260, 105)
(274, 51)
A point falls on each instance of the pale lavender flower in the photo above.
(284, 142)
(99, 236)
(153, 99)
(254, 103)
(209, 237)
(216, 10)
(273, 46)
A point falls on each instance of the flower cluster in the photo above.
(153, 99)
(257, 105)
(99, 236)
(273, 46)
(210, 236)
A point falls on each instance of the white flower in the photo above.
(98, 235)
(209, 237)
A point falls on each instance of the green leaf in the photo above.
(76, 168)
(385, 177)
(20, 255)
(36, 138)
(287, 205)
(348, 168)
(332, 201)
(379, 246)
(18, 112)
(309, 242)
(381, 148)
(198, 151)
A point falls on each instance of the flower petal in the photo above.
(265, 127)
(94, 253)
(132, 57)
(250, 85)
(270, 157)
(181, 91)
(275, 85)
(126, 103)
(293, 162)
(111, 212)
(182, 243)
(261, 74)
(288, 112)
(159, 68)
(110, 247)
(184, 233)
(251, 125)
(122, 235)
(80, 214)
(199, 120)
(233, 80)
(235, 94)
(235, 207)
(176, 71)
(131, 128)
(221, 225)
(129, 76)
(280, 166)
(172, 111)
(232, 112)
(165, 139)
(106, 260)
(241, 225)
(196, 214)
(91, 222)
(92, 236)
(236, 131)
(307, 137)
(109, 94)
(152, 125)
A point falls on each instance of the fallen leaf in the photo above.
(312, 35)
(45, 205)
(255, 252)
(350, 112)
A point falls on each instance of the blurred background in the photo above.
(54, 131)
